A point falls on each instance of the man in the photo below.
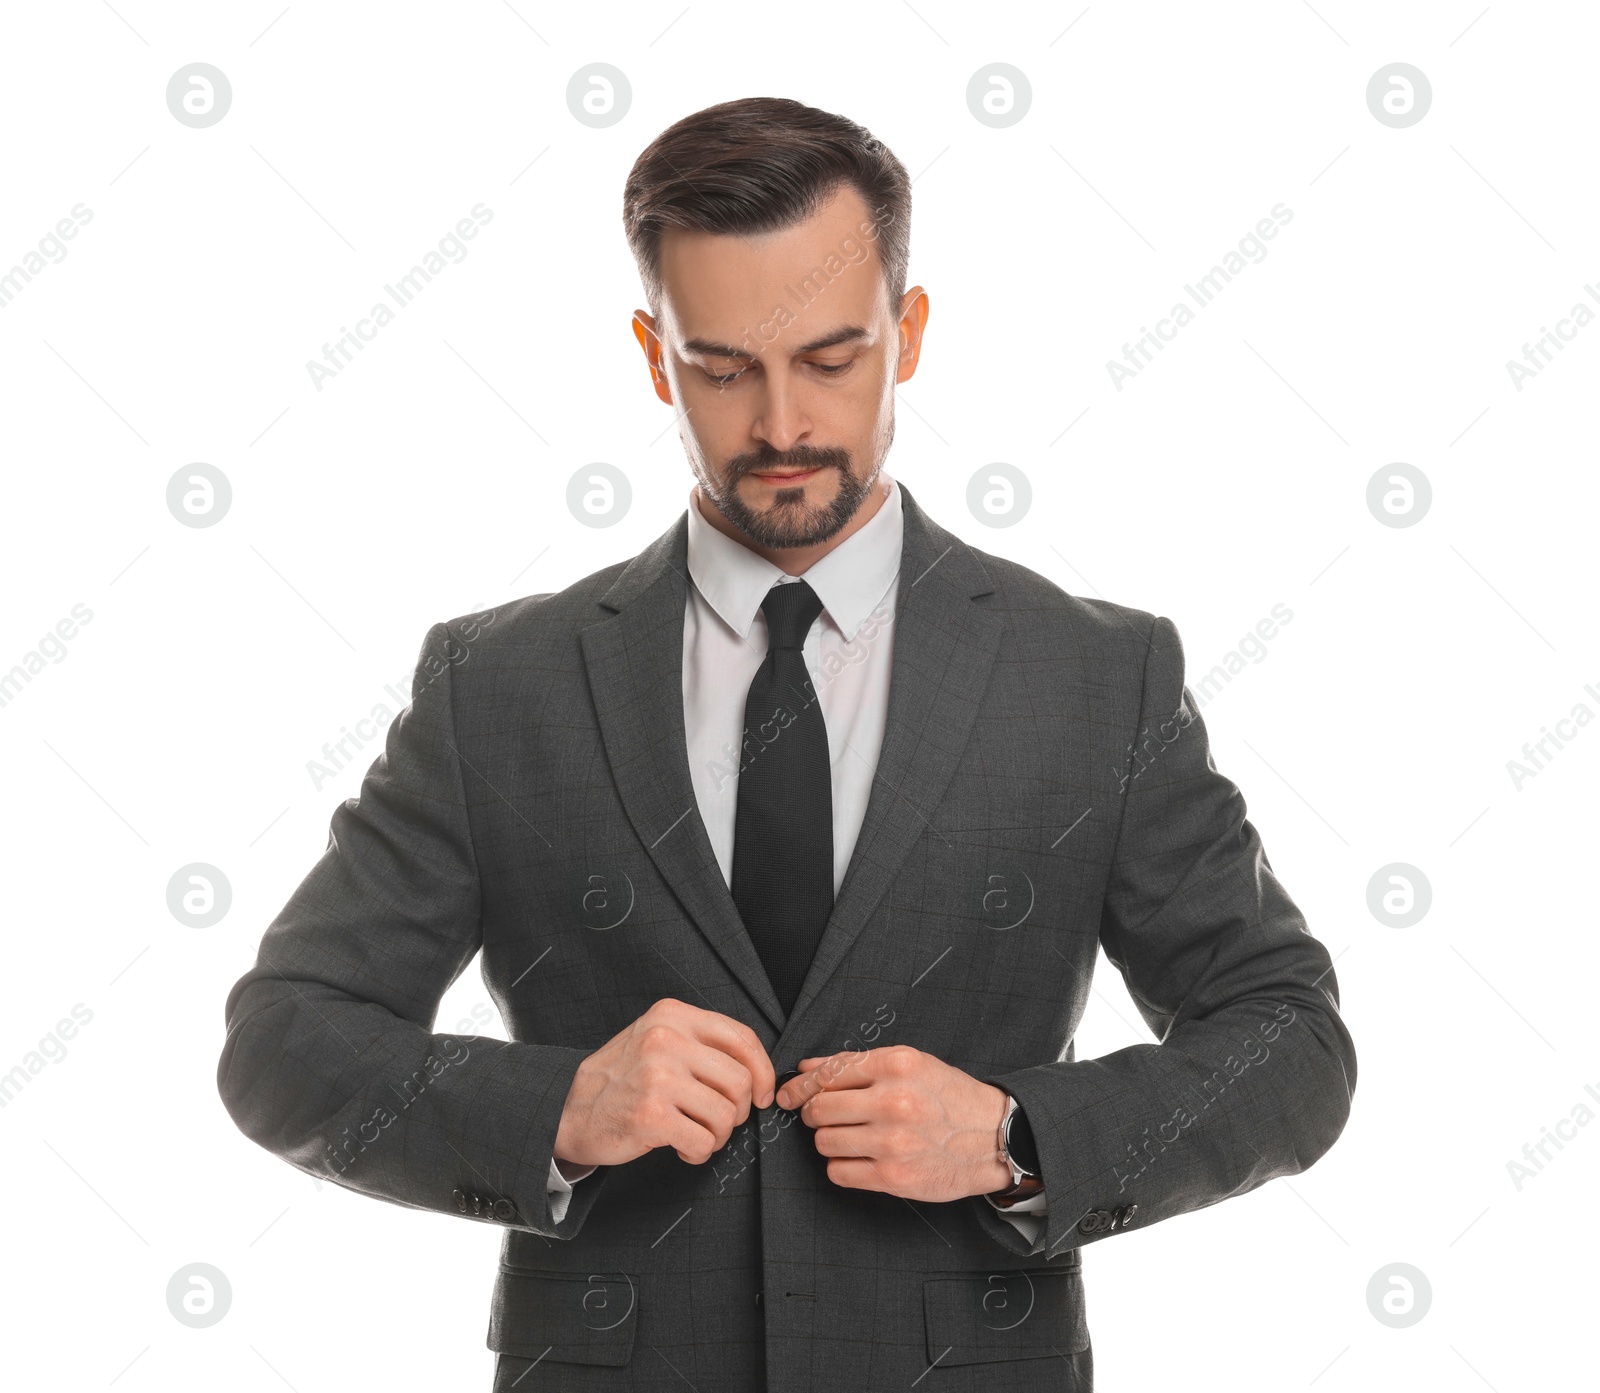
(788, 845)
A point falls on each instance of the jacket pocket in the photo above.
(564, 1316)
(976, 1317)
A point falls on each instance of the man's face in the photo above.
(781, 355)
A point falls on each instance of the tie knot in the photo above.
(790, 607)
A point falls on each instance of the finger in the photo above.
(736, 1039)
(861, 1141)
(707, 1108)
(721, 1071)
(843, 1056)
(792, 1097)
(846, 1070)
(839, 1107)
(849, 1173)
(694, 1143)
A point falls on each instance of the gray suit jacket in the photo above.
(1044, 787)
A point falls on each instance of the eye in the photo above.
(726, 379)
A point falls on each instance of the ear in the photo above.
(913, 321)
(644, 329)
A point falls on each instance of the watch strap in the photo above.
(1026, 1188)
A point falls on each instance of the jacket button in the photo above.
(1128, 1213)
(504, 1210)
(1090, 1223)
(460, 1198)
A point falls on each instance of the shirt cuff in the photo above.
(560, 1187)
(561, 1172)
(1027, 1216)
(1034, 1204)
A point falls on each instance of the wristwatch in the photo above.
(1020, 1152)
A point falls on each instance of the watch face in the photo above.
(1020, 1145)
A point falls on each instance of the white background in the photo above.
(429, 478)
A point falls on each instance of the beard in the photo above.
(789, 520)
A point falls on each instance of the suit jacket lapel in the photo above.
(635, 667)
(943, 648)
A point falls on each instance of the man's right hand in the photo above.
(679, 1076)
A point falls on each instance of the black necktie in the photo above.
(783, 827)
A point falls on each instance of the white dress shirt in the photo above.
(848, 653)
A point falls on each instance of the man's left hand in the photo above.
(901, 1121)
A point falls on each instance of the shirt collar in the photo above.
(850, 580)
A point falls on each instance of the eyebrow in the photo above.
(849, 333)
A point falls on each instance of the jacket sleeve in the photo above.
(1254, 1072)
(330, 1059)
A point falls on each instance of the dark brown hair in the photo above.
(759, 164)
